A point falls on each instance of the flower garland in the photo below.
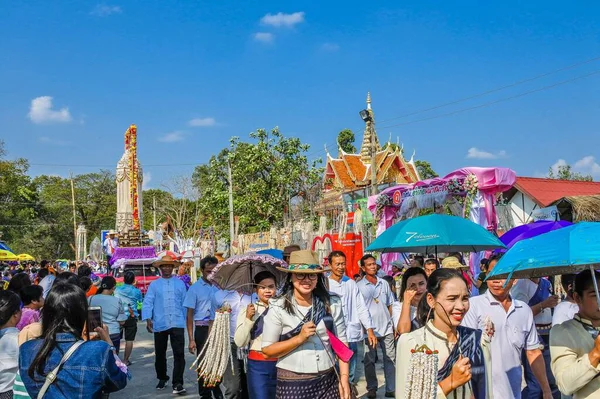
(381, 202)
(131, 144)
(471, 188)
(421, 380)
(216, 353)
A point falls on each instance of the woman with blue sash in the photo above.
(443, 359)
(261, 373)
(301, 330)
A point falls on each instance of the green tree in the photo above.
(565, 172)
(266, 173)
(346, 140)
(425, 170)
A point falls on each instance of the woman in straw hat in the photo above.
(300, 330)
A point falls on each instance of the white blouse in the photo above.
(244, 328)
(313, 356)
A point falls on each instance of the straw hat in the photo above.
(452, 262)
(303, 261)
(112, 232)
(165, 261)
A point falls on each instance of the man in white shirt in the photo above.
(537, 293)
(356, 314)
(567, 308)
(46, 280)
(110, 244)
(232, 385)
(514, 331)
(198, 302)
(379, 299)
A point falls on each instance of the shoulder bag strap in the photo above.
(51, 377)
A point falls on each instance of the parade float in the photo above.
(469, 192)
(134, 251)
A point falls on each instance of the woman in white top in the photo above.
(261, 373)
(567, 308)
(10, 314)
(113, 314)
(414, 285)
(443, 359)
(300, 330)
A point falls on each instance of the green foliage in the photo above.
(565, 172)
(425, 170)
(346, 140)
(266, 173)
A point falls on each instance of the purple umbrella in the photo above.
(531, 230)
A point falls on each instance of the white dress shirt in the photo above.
(514, 331)
(564, 311)
(356, 314)
(237, 301)
(314, 355)
(378, 297)
(524, 290)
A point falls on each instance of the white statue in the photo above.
(128, 194)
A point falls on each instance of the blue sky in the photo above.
(75, 74)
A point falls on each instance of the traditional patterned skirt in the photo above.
(292, 385)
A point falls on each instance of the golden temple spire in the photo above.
(368, 100)
(369, 135)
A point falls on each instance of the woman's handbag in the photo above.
(51, 377)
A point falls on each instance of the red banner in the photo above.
(351, 246)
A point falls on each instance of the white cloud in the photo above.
(202, 122)
(172, 137)
(147, 179)
(330, 47)
(264, 37)
(557, 165)
(588, 166)
(41, 111)
(281, 19)
(475, 153)
(103, 10)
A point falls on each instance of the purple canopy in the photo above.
(531, 230)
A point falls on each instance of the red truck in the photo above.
(144, 275)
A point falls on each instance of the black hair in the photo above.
(64, 311)
(335, 254)
(128, 277)
(356, 275)
(494, 258)
(458, 256)
(18, 282)
(265, 274)
(208, 260)
(410, 272)
(44, 264)
(84, 270)
(364, 258)
(420, 259)
(434, 285)
(10, 303)
(67, 277)
(432, 261)
(85, 283)
(583, 281)
(31, 293)
(320, 292)
(43, 273)
(566, 281)
(107, 284)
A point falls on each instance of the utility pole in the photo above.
(74, 217)
(231, 218)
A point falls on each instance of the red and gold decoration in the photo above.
(131, 145)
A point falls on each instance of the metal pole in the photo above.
(373, 156)
(231, 219)
(595, 285)
(154, 211)
(74, 219)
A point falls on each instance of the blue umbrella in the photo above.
(567, 250)
(433, 233)
(276, 253)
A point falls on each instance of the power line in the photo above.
(496, 101)
(517, 83)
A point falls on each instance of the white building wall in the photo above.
(522, 206)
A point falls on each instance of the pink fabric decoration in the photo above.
(339, 348)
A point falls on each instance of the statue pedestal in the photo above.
(133, 238)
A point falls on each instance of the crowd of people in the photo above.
(300, 337)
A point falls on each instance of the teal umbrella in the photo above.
(569, 250)
(435, 233)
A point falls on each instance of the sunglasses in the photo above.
(302, 276)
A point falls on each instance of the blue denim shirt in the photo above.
(130, 296)
(90, 370)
